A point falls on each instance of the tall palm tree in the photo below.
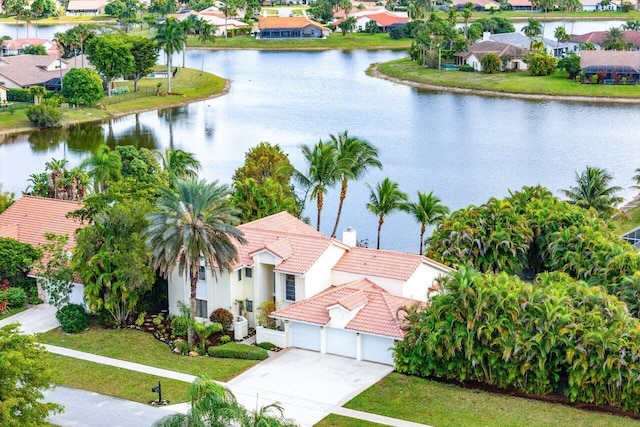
(466, 15)
(179, 165)
(194, 222)
(104, 166)
(207, 33)
(355, 157)
(322, 173)
(188, 27)
(561, 36)
(592, 190)
(428, 210)
(385, 198)
(171, 38)
(533, 29)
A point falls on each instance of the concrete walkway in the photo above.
(39, 318)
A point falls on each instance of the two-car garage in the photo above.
(342, 342)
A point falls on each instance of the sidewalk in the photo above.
(39, 318)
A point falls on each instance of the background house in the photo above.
(17, 46)
(86, 7)
(613, 64)
(513, 55)
(24, 71)
(275, 27)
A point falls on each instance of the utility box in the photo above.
(240, 328)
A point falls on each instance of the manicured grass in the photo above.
(12, 311)
(335, 41)
(622, 225)
(429, 402)
(115, 382)
(333, 420)
(141, 347)
(522, 82)
(67, 19)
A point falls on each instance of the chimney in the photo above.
(349, 237)
(486, 35)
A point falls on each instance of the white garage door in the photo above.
(341, 342)
(377, 349)
(305, 336)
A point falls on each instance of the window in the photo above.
(290, 288)
(201, 273)
(249, 306)
(248, 272)
(201, 308)
(239, 275)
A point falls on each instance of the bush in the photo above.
(180, 326)
(224, 339)
(466, 68)
(491, 63)
(182, 346)
(234, 350)
(73, 318)
(396, 33)
(46, 115)
(16, 297)
(264, 311)
(82, 86)
(267, 345)
(19, 95)
(222, 316)
(540, 64)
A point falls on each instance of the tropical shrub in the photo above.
(264, 312)
(180, 326)
(555, 335)
(15, 297)
(234, 350)
(82, 86)
(491, 63)
(73, 318)
(47, 114)
(224, 339)
(267, 345)
(571, 64)
(540, 64)
(17, 260)
(222, 316)
(396, 33)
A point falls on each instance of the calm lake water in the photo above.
(464, 148)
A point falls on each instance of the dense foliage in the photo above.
(555, 335)
(234, 350)
(54, 271)
(491, 63)
(17, 260)
(73, 318)
(24, 374)
(82, 86)
(15, 297)
(540, 63)
(47, 114)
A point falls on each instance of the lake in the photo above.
(465, 148)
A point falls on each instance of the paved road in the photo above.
(88, 409)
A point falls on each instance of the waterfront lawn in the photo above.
(623, 225)
(333, 420)
(141, 347)
(335, 41)
(522, 82)
(429, 402)
(12, 311)
(116, 382)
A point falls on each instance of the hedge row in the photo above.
(19, 95)
(234, 350)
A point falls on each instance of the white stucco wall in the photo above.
(319, 276)
(390, 285)
(418, 284)
(178, 291)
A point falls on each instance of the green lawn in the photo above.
(334, 420)
(114, 382)
(141, 347)
(557, 84)
(622, 225)
(12, 311)
(429, 402)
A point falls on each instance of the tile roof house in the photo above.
(24, 71)
(86, 7)
(289, 262)
(386, 21)
(632, 37)
(213, 16)
(473, 56)
(29, 218)
(612, 64)
(553, 47)
(17, 46)
(298, 27)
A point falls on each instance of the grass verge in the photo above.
(333, 420)
(140, 347)
(115, 382)
(623, 225)
(12, 311)
(447, 405)
(513, 83)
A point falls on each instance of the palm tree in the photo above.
(322, 174)
(188, 27)
(38, 93)
(561, 35)
(191, 223)
(532, 29)
(614, 39)
(592, 190)
(171, 39)
(104, 166)
(355, 157)
(466, 15)
(179, 165)
(428, 210)
(207, 34)
(384, 199)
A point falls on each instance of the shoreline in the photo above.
(374, 71)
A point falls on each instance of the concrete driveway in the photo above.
(309, 385)
(39, 318)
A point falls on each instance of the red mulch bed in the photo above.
(549, 398)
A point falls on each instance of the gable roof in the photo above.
(484, 47)
(385, 19)
(29, 70)
(86, 5)
(30, 217)
(284, 222)
(598, 37)
(292, 22)
(378, 314)
(381, 263)
(603, 58)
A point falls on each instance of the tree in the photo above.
(355, 157)
(48, 114)
(57, 182)
(571, 64)
(82, 86)
(207, 34)
(188, 27)
(593, 190)
(348, 25)
(428, 210)
(54, 271)
(17, 261)
(614, 39)
(104, 166)
(230, 8)
(111, 55)
(255, 201)
(38, 93)
(216, 406)
(42, 8)
(6, 199)
(561, 35)
(25, 373)
(540, 63)
(179, 165)
(533, 29)
(385, 198)
(194, 222)
(171, 39)
(145, 55)
(34, 50)
(265, 161)
(466, 15)
(371, 27)
(491, 63)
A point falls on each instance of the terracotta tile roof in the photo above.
(610, 57)
(598, 37)
(30, 217)
(377, 316)
(292, 22)
(386, 19)
(21, 43)
(284, 222)
(380, 263)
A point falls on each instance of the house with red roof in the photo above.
(287, 261)
(17, 46)
(292, 27)
(29, 218)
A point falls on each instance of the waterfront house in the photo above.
(215, 17)
(384, 20)
(17, 46)
(612, 65)
(552, 47)
(24, 71)
(512, 56)
(599, 5)
(598, 38)
(298, 27)
(86, 7)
